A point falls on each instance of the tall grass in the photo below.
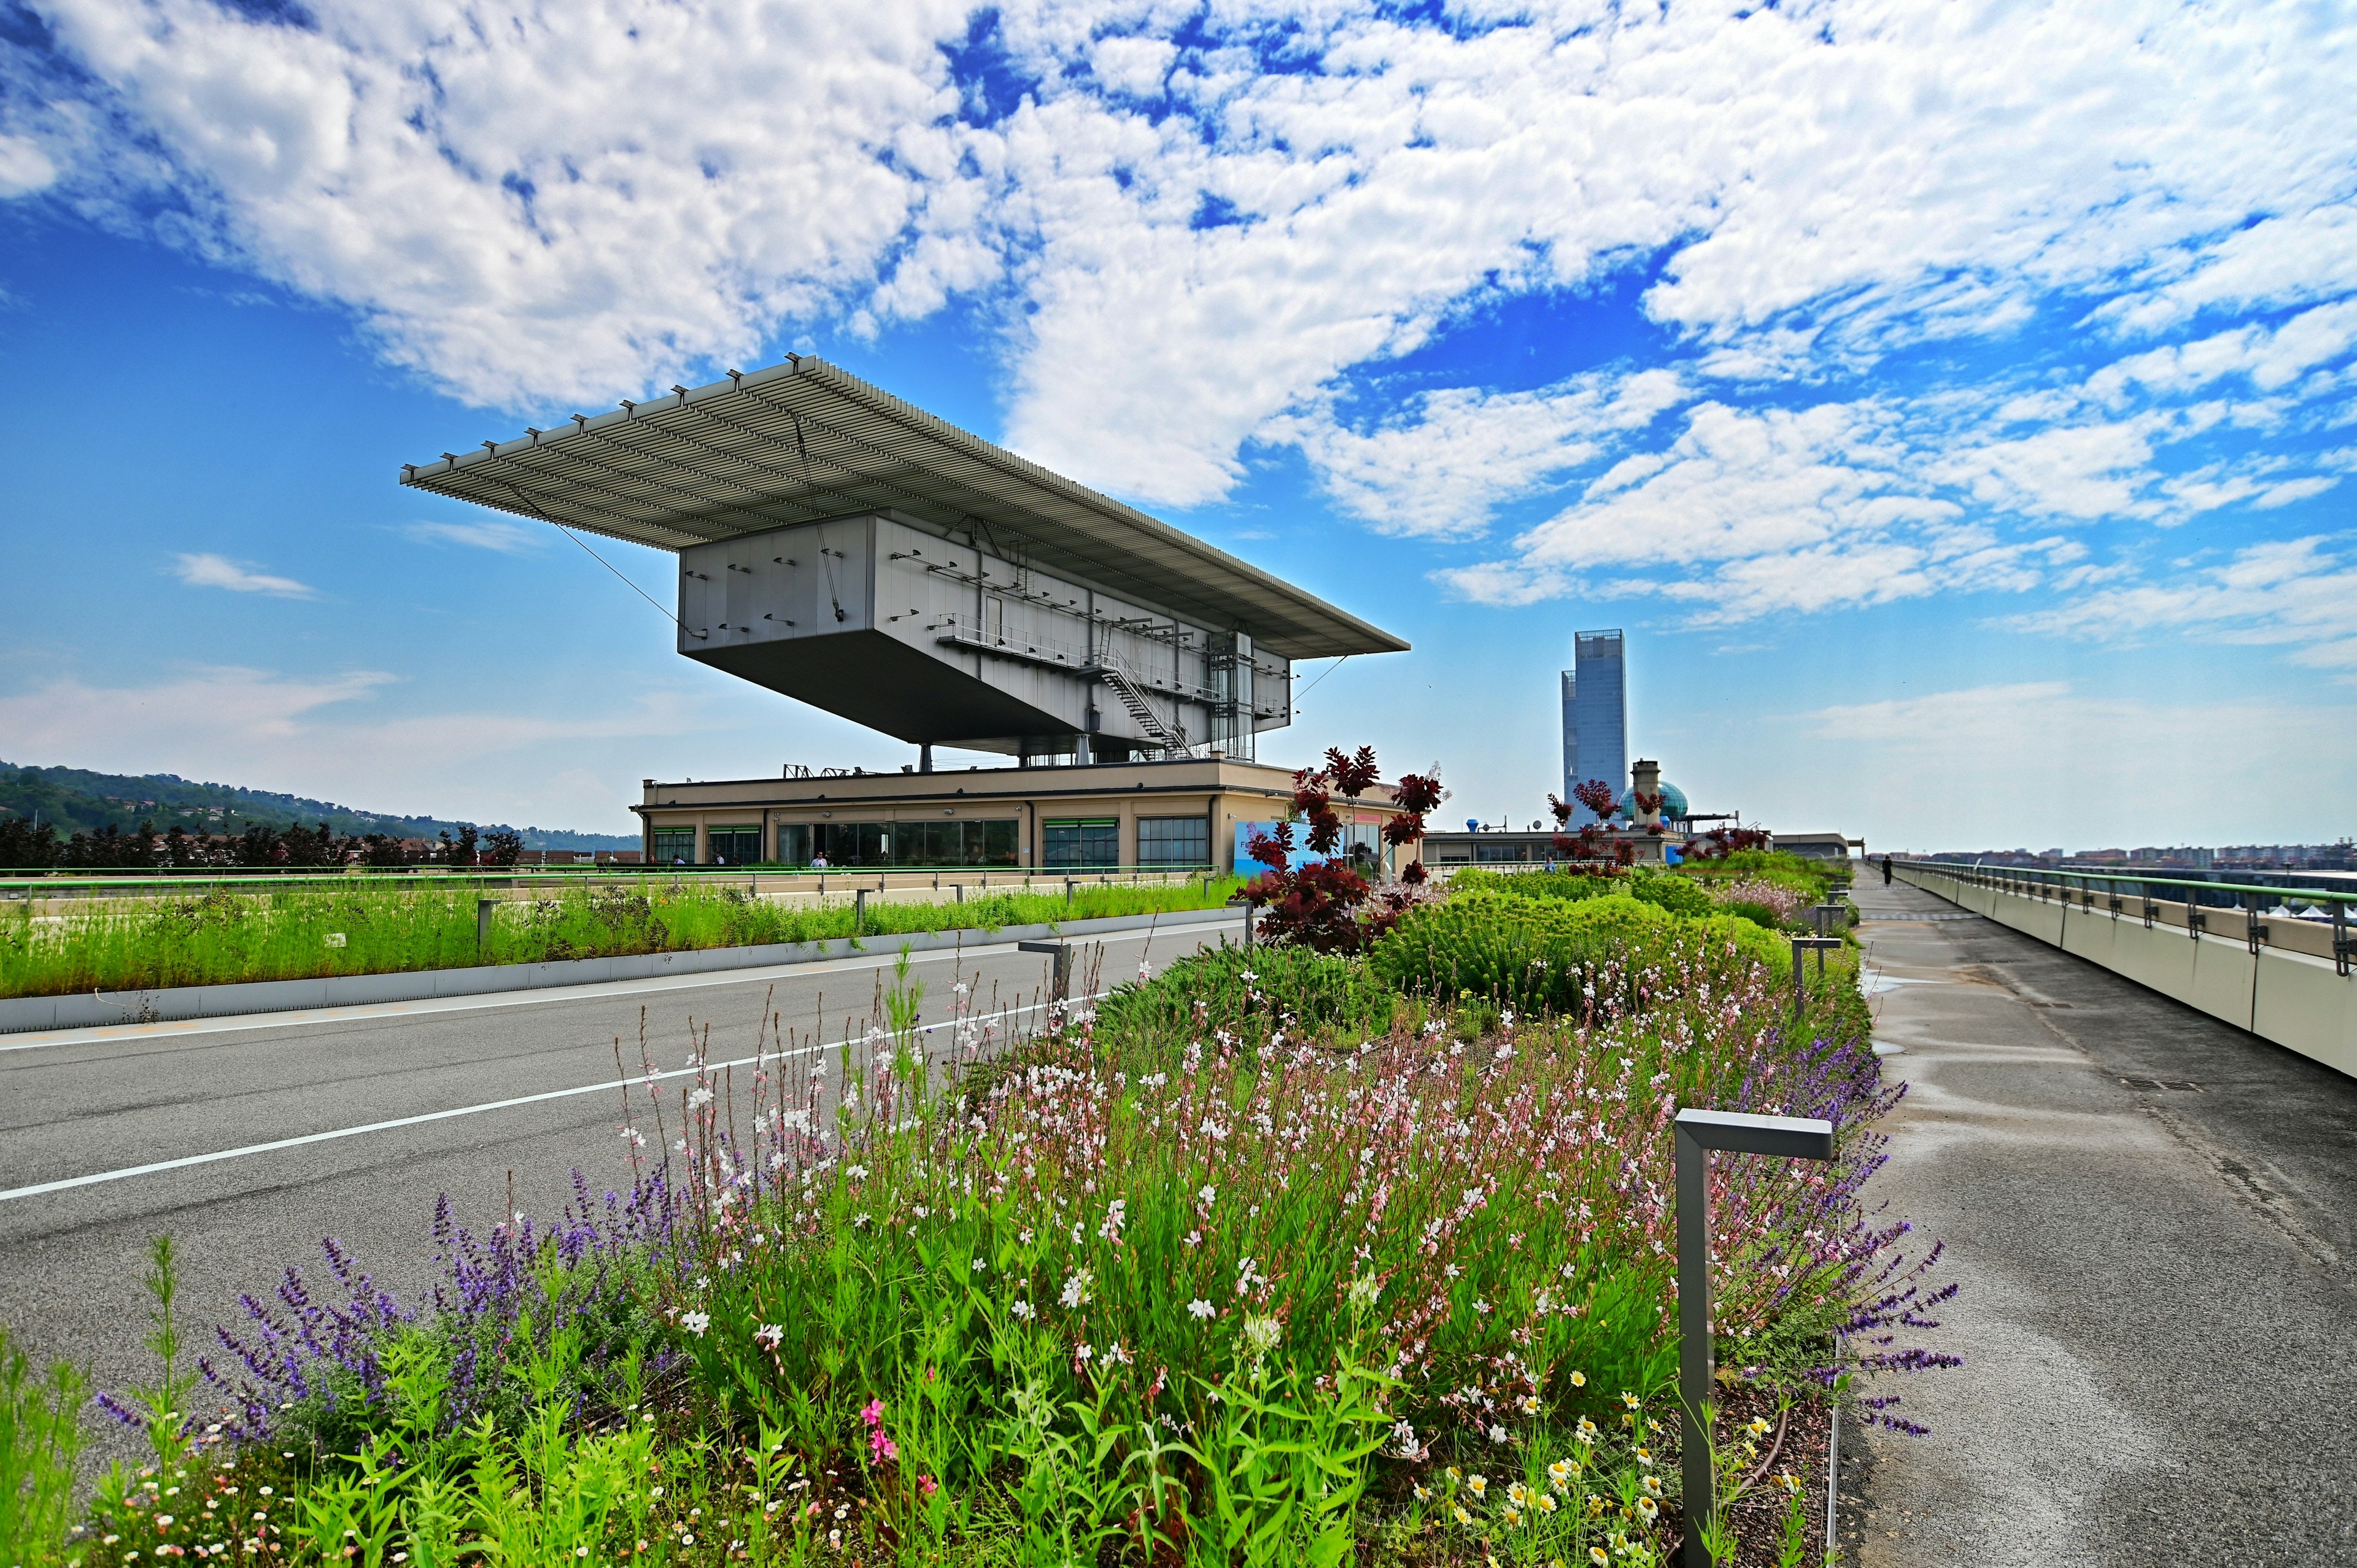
(226, 937)
(41, 1436)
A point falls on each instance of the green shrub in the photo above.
(1541, 952)
(1676, 894)
(1564, 885)
(1669, 891)
(41, 1436)
(1525, 952)
(1758, 914)
(1208, 992)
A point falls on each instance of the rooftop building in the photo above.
(841, 547)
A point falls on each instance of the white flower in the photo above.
(1076, 1288)
(1208, 1194)
(1364, 1290)
(770, 1334)
(1497, 1434)
(1260, 1335)
(699, 1099)
(978, 1265)
(1022, 1309)
(856, 1172)
(1201, 1307)
(695, 1323)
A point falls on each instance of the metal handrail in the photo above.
(2311, 895)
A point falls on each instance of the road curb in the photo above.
(92, 1010)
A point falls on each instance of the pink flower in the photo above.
(927, 1485)
(874, 1415)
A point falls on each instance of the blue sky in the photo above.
(1954, 403)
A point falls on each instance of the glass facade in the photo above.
(675, 845)
(936, 843)
(1174, 840)
(737, 844)
(1094, 842)
(1595, 717)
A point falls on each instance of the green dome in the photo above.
(1674, 801)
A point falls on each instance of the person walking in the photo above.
(1886, 871)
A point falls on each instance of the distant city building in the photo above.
(1595, 716)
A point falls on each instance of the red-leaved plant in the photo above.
(1323, 905)
(1592, 842)
(1720, 843)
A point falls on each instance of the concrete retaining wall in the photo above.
(2292, 997)
(23, 1013)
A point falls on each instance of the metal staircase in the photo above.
(1168, 735)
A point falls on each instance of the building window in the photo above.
(1002, 843)
(943, 844)
(1093, 843)
(737, 845)
(1174, 840)
(674, 846)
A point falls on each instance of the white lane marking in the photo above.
(233, 1023)
(609, 1086)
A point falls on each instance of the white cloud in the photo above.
(2301, 594)
(220, 572)
(1203, 229)
(1993, 767)
(563, 202)
(506, 538)
(24, 167)
(1440, 465)
(332, 737)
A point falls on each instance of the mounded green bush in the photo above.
(1675, 893)
(1542, 953)
(1246, 994)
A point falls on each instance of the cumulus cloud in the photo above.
(220, 572)
(2295, 593)
(559, 203)
(506, 538)
(1441, 464)
(2116, 240)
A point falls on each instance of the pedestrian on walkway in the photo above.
(1886, 871)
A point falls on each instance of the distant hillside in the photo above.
(75, 799)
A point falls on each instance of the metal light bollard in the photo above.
(486, 911)
(1800, 981)
(1060, 987)
(1698, 1133)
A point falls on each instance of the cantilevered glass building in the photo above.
(1595, 717)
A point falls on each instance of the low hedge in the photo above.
(1537, 952)
(1670, 891)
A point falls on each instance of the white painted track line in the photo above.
(609, 1086)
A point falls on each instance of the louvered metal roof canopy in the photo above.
(806, 440)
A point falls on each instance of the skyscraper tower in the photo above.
(1595, 717)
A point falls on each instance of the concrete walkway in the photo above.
(2154, 1216)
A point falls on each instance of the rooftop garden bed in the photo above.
(1275, 1257)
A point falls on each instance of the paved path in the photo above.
(2160, 1280)
(101, 1102)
